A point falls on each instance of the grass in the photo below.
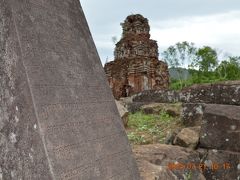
(150, 128)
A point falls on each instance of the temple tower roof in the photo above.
(134, 25)
(135, 41)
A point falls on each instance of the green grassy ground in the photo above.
(150, 128)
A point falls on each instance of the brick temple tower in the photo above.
(136, 66)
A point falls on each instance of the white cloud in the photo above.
(221, 31)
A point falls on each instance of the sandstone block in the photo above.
(173, 109)
(123, 112)
(159, 161)
(220, 93)
(192, 114)
(221, 127)
(221, 165)
(158, 96)
(188, 137)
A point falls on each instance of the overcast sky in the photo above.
(205, 22)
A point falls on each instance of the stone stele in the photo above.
(58, 119)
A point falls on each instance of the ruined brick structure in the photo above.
(136, 66)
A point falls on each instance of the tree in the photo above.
(229, 69)
(180, 56)
(202, 65)
(207, 59)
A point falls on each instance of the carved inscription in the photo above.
(74, 110)
(75, 172)
(100, 143)
(108, 159)
(68, 108)
(69, 152)
(75, 127)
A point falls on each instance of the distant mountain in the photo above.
(174, 73)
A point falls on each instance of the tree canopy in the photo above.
(202, 64)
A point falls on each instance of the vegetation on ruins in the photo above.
(150, 128)
(202, 64)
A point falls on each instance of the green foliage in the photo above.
(188, 175)
(143, 121)
(229, 69)
(148, 126)
(136, 138)
(177, 85)
(180, 55)
(202, 63)
(206, 60)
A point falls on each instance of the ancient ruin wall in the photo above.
(136, 66)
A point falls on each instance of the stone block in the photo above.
(222, 165)
(58, 119)
(188, 137)
(157, 96)
(220, 93)
(221, 127)
(192, 114)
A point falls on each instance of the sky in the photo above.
(215, 23)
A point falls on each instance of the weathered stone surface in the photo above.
(158, 96)
(188, 137)
(123, 112)
(135, 106)
(136, 66)
(57, 118)
(220, 93)
(161, 161)
(128, 103)
(221, 127)
(156, 108)
(221, 165)
(171, 136)
(126, 100)
(192, 114)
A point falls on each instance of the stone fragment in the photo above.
(171, 136)
(160, 161)
(221, 127)
(173, 109)
(188, 137)
(123, 112)
(135, 106)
